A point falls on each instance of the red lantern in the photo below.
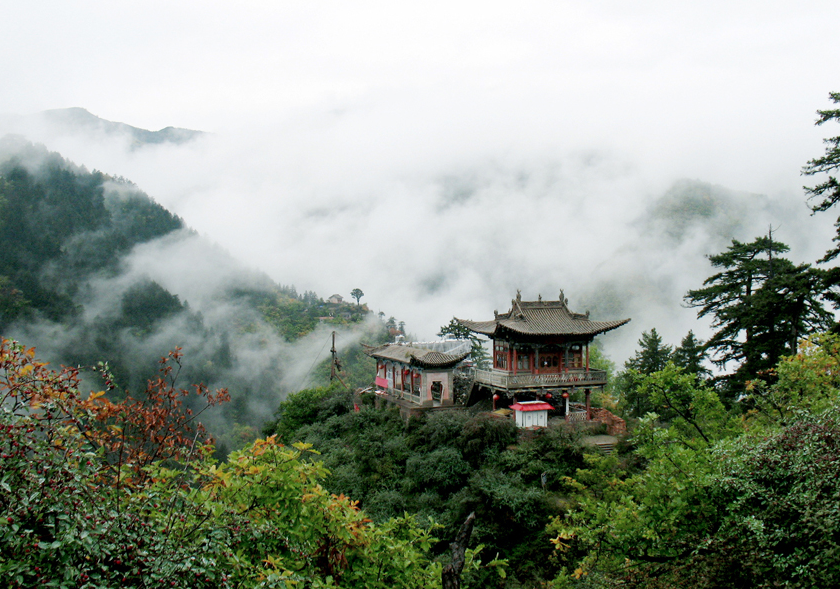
(496, 397)
(565, 394)
(548, 395)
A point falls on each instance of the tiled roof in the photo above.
(415, 356)
(541, 318)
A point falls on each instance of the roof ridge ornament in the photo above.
(515, 307)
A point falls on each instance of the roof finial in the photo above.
(563, 298)
(518, 295)
(539, 298)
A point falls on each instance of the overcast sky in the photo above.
(440, 155)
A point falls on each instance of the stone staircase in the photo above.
(604, 444)
(605, 447)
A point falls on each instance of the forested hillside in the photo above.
(105, 494)
(93, 270)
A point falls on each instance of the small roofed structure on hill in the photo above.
(540, 350)
(418, 374)
(531, 413)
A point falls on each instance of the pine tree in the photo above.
(828, 191)
(478, 355)
(652, 356)
(691, 356)
(761, 305)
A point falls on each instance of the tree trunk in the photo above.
(451, 574)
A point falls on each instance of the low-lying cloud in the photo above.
(434, 237)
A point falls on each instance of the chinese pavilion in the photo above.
(415, 374)
(541, 350)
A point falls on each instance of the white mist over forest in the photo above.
(442, 156)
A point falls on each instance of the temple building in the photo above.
(417, 374)
(540, 350)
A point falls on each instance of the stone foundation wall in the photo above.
(615, 425)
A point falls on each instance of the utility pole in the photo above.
(332, 363)
(335, 365)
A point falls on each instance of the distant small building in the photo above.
(417, 375)
(531, 413)
(335, 299)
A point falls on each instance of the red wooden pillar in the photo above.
(588, 406)
(587, 356)
(514, 361)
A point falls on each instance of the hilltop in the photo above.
(79, 122)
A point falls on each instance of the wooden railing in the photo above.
(507, 380)
(407, 395)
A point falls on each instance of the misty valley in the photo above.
(175, 417)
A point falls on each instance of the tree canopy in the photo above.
(761, 304)
(651, 356)
(827, 192)
(720, 500)
(454, 330)
(118, 495)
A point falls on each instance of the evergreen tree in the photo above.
(478, 355)
(827, 192)
(761, 305)
(691, 356)
(652, 356)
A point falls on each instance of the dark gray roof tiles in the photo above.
(416, 356)
(541, 318)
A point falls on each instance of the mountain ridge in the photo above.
(76, 120)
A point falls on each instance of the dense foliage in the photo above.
(720, 500)
(443, 465)
(102, 494)
(652, 356)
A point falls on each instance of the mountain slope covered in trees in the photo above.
(93, 270)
